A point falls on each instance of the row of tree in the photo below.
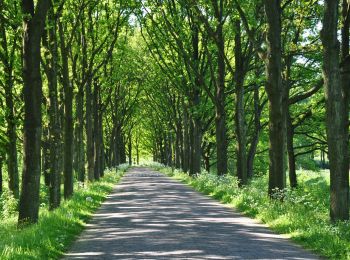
(234, 69)
(80, 89)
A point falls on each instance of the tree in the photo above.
(9, 52)
(51, 67)
(336, 82)
(34, 17)
(276, 92)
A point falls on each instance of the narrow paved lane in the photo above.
(150, 216)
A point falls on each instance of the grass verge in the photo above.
(303, 215)
(56, 230)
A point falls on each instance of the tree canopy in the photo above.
(244, 88)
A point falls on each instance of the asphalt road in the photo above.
(151, 216)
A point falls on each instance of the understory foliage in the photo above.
(302, 214)
(56, 230)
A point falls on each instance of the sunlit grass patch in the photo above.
(56, 230)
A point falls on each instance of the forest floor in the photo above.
(151, 216)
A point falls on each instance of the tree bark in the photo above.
(240, 111)
(177, 147)
(275, 92)
(11, 149)
(220, 119)
(45, 158)
(122, 148)
(191, 145)
(196, 149)
(54, 139)
(137, 150)
(186, 141)
(118, 146)
(255, 138)
(336, 88)
(12, 161)
(130, 148)
(89, 130)
(102, 147)
(293, 181)
(170, 149)
(68, 118)
(97, 144)
(79, 129)
(33, 26)
(100, 133)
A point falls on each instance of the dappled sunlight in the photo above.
(154, 217)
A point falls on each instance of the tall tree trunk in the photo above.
(240, 111)
(68, 118)
(130, 148)
(275, 92)
(79, 128)
(137, 150)
(220, 119)
(54, 123)
(186, 141)
(196, 149)
(110, 150)
(255, 138)
(293, 181)
(45, 158)
(197, 142)
(12, 161)
(102, 154)
(178, 134)
(181, 144)
(336, 88)
(122, 148)
(80, 110)
(169, 143)
(118, 146)
(89, 129)
(191, 144)
(97, 144)
(33, 26)
(102, 161)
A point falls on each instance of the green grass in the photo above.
(303, 215)
(56, 230)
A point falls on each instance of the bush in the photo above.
(122, 167)
(8, 204)
(306, 163)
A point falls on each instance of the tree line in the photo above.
(244, 84)
(79, 92)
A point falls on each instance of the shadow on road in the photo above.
(150, 216)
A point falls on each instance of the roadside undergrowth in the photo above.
(303, 215)
(56, 230)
